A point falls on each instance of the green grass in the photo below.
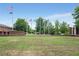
(39, 45)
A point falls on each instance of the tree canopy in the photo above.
(76, 16)
(64, 27)
(57, 27)
(21, 25)
(76, 13)
(43, 26)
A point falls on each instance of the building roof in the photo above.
(2, 25)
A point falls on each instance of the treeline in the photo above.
(43, 26)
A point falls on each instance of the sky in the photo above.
(49, 11)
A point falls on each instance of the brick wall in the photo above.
(12, 33)
(17, 33)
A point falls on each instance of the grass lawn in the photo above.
(39, 45)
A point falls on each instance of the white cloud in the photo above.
(67, 17)
(60, 15)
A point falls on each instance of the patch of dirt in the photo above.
(23, 53)
(12, 52)
(44, 51)
(32, 53)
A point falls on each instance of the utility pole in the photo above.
(10, 9)
(12, 22)
(26, 25)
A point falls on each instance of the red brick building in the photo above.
(6, 30)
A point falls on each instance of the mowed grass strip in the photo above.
(39, 45)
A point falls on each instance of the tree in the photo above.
(46, 27)
(76, 16)
(51, 28)
(43, 26)
(21, 25)
(64, 27)
(57, 27)
(40, 25)
(76, 13)
(77, 23)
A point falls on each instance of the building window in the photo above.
(4, 33)
(0, 33)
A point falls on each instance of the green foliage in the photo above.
(21, 25)
(77, 23)
(76, 13)
(40, 25)
(44, 26)
(57, 27)
(64, 27)
(76, 16)
(51, 28)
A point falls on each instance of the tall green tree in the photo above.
(51, 28)
(43, 26)
(76, 16)
(64, 27)
(77, 23)
(40, 25)
(21, 25)
(57, 27)
(76, 13)
(46, 26)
